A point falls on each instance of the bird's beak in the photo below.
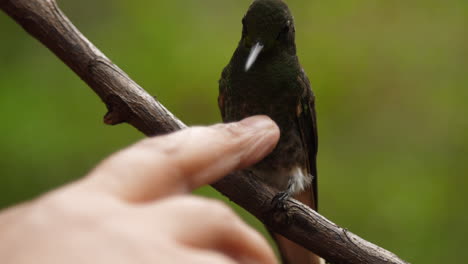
(254, 52)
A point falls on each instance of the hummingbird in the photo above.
(264, 77)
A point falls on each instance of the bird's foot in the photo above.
(279, 201)
(280, 208)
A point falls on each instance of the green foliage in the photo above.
(390, 78)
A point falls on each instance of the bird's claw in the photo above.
(279, 201)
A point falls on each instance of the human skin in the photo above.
(136, 206)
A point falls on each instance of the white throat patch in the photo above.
(300, 180)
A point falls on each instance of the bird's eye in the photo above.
(285, 30)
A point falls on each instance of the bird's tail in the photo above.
(292, 253)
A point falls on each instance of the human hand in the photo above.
(135, 207)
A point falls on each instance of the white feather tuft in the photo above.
(300, 180)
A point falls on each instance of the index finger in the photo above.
(185, 160)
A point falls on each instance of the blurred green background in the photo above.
(390, 77)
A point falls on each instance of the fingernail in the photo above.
(258, 122)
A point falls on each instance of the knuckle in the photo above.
(72, 203)
(159, 144)
(45, 208)
(56, 202)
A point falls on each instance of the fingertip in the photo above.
(267, 129)
(260, 122)
(262, 139)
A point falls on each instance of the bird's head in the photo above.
(268, 26)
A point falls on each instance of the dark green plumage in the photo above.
(274, 84)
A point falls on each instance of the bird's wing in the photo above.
(292, 253)
(307, 122)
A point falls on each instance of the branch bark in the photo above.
(128, 102)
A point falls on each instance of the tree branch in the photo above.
(128, 102)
